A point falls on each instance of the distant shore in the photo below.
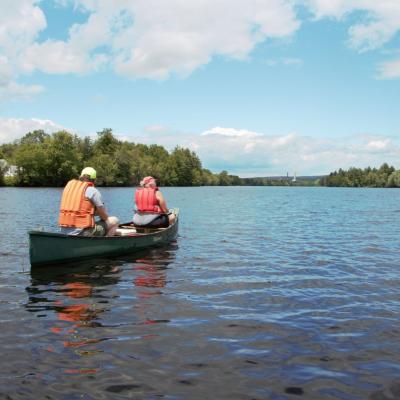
(42, 160)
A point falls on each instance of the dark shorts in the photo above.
(99, 229)
(161, 221)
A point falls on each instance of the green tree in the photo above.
(186, 163)
(107, 169)
(394, 179)
(51, 160)
(356, 177)
(2, 170)
(209, 179)
(35, 137)
(85, 149)
(224, 179)
(106, 143)
(7, 151)
(63, 160)
(124, 159)
(32, 162)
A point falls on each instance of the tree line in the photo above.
(51, 160)
(385, 176)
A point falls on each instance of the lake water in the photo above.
(268, 293)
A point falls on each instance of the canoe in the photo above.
(47, 248)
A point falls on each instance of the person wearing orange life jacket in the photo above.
(80, 202)
(151, 208)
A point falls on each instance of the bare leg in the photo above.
(112, 225)
(171, 218)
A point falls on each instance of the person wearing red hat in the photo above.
(151, 207)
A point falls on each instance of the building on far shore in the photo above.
(8, 170)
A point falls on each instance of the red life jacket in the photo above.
(76, 211)
(146, 200)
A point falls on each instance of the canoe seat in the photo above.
(148, 230)
(125, 231)
(129, 228)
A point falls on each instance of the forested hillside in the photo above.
(51, 160)
(385, 176)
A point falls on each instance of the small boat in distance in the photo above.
(47, 248)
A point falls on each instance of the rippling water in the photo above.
(268, 293)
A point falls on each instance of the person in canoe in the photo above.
(80, 202)
(151, 208)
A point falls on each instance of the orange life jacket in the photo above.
(146, 200)
(76, 210)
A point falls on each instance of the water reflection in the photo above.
(152, 275)
(149, 280)
(72, 299)
(85, 307)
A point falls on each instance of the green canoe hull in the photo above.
(47, 248)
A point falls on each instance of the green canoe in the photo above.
(52, 248)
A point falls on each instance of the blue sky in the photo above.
(263, 88)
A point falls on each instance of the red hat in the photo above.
(147, 181)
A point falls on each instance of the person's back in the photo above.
(80, 202)
(151, 207)
(76, 210)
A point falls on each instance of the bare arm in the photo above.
(95, 197)
(161, 202)
(102, 213)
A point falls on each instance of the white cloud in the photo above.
(15, 91)
(177, 37)
(389, 69)
(231, 132)
(20, 23)
(156, 128)
(379, 22)
(378, 144)
(14, 128)
(144, 38)
(154, 38)
(57, 57)
(11, 90)
(246, 153)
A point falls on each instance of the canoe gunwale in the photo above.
(74, 237)
(60, 235)
(47, 248)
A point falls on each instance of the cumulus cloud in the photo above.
(247, 153)
(142, 38)
(15, 128)
(20, 23)
(15, 91)
(377, 23)
(389, 69)
(154, 38)
(277, 154)
(237, 133)
(379, 145)
(10, 89)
